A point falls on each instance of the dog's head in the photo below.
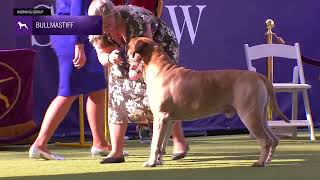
(139, 54)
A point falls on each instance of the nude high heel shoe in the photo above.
(36, 153)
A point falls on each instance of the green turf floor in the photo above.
(215, 157)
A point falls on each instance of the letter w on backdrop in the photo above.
(187, 20)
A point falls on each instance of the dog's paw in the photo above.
(160, 162)
(257, 164)
(149, 164)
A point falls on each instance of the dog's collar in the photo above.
(141, 63)
(140, 70)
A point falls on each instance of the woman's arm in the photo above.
(103, 55)
(108, 56)
(78, 8)
(158, 8)
(148, 33)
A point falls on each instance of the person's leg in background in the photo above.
(120, 100)
(55, 113)
(95, 112)
(117, 133)
(180, 146)
(72, 82)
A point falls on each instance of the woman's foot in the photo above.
(182, 153)
(113, 157)
(109, 160)
(104, 152)
(36, 153)
(100, 151)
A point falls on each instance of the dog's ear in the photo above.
(139, 47)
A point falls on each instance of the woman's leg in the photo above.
(117, 133)
(95, 112)
(179, 142)
(55, 113)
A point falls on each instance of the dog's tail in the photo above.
(272, 98)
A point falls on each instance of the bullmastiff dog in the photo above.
(176, 92)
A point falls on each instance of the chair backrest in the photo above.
(274, 50)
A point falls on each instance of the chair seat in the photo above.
(290, 87)
(293, 123)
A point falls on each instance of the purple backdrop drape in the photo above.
(211, 35)
(16, 70)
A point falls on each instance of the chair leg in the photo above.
(294, 111)
(308, 114)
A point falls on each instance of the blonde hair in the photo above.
(101, 8)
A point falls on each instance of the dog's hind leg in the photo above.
(160, 123)
(275, 140)
(255, 124)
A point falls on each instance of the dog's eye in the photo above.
(139, 48)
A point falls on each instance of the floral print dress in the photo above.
(128, 101)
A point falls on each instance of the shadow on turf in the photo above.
(285, 171)
(215, 159)
(14, 148)
(286, 158)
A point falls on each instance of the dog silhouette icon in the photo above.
(21, 25)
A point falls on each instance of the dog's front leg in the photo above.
(160, 123)
(165, 140)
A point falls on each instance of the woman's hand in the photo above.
(107, 56)
(103, 54)
(114, 57)
(79, 56)
(103, 59)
